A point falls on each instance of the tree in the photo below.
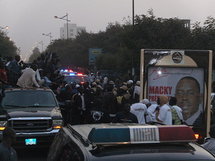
(7, 47)
(35, 54)
(121, 43)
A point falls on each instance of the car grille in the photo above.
(30, 125)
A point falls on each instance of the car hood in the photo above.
(33, 112)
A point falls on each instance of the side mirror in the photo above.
(206, 139)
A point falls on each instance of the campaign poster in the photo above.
(186, 84)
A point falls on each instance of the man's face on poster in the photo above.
(188, 96)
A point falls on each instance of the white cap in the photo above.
(130, 82)
(138, 83)
(145, 101)
(77, 85)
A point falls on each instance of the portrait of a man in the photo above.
(189, 98)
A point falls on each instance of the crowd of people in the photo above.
(15, 73)
(101, 100)
(117, 102)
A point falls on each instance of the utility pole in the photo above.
(67, 22)
(132, 57)
(133, 13)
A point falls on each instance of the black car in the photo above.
(126, 142)
(33, 113)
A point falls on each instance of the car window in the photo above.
(29, 99)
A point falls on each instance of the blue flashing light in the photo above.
(71, 74)
(108, 135)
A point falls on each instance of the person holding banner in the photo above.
(189, 99)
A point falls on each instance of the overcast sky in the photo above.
(28, 19)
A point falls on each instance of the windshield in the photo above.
(28, 99)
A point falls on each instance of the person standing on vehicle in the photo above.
(3, 73)
(164, 114)
(7, 152)
(140, 110)
(28, 78)
(14, 70)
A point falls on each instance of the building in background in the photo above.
(73, 31)
(186, 23)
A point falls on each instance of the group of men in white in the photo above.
(161, 112)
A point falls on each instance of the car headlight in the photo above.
(57, 124)
(2, 125)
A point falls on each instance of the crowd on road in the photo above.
(101, 100)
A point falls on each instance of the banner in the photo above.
(186, 84)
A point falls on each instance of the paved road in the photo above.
(32, 154)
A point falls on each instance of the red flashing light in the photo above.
(197, 136)
(79, 74)
(176, 133)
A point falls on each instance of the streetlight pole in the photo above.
(50, 36)
(132, 57)
(133, 13)
(67, 22)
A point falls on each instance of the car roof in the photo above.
(153, 152)
(149, 151)
(133, 133)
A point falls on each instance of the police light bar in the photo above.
(66, 71)
(141, 134)
(71, 74)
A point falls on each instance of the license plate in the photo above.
(32, 141)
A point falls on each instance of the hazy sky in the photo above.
(28, 19)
